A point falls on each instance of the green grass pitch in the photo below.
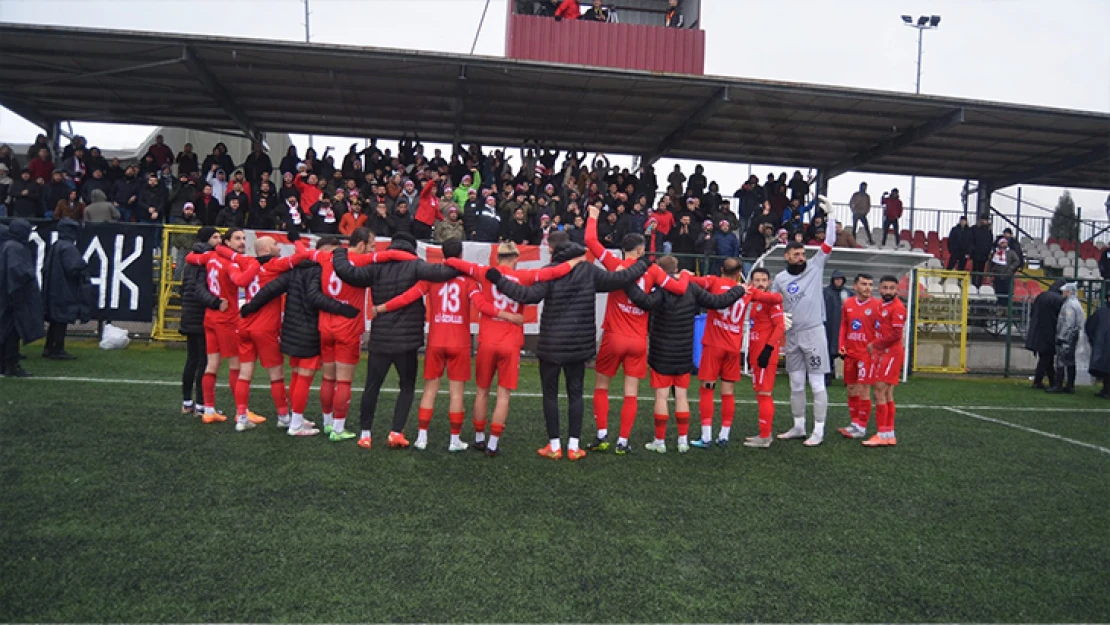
(117, 508)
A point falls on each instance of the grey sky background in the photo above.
(1022, 51)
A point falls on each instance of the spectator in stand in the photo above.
(486, 225)
(115, 172)
(161, 152)
(25, 196)
(1041, 336)
(982, 244)
(427, 211)
(380, 222)
(673, 18)
(151, 204)
(264, 214)
(70, 207)
(100, 210)
(750, 199)
(323, 220)
(5, 186)
(53, 192)
(799, 187)
(451, 228)
(41, 166)
(183, 192)
(187, 163)
(402, 218)
(892, 212)
(844, 238)
(815, 231)
(1004, 264)
(1008, 234)
(1104, 264)
(755, 243)
(705, 245)
(683, 243)
(218, 179)
(353, 219)
(860, 203)
(697, 183)
(289, 162)
(959, 246)
(231, 216)
(518, 229)
(8, 158)
(220, 158)
(676, 181)
(95, 181)
(597, 13)
(568, 9)
(835, 294)
(188, 216)
(258, 162)
(725, 244)
(664, 224)
(207, 206)
(95, 160)
(779, 202)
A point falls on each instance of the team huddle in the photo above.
(310, 307)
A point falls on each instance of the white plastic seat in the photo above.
(934, 263)
(935, 290)
(986, 290)
(1055, 247)
(952, 287)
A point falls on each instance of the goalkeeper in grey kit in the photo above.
(807, 350)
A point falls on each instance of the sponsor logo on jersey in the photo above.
(867, 311)
(792, 288)
(856, 324)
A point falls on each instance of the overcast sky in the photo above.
(1022, 51)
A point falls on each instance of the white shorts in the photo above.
(807, 350)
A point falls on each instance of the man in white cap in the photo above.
(1068, 326)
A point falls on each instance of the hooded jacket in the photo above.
(402, 330)
(1068, 326)
(101, 210)
(195, 296)
(300, 334)
(20, 298)
(65, 277)
(567, 326)
(671, 350)
(1041, 336)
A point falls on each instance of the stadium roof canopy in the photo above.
(50, 75)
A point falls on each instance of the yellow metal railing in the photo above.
(177, 241)
(940, 321)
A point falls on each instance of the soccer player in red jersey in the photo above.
(500, 341)
(767, 327)
(448, 348)
(624, 336)
(889, 355)
(858, 317)
(221, 327)
(720, 356)
(341, 337)
(258, 332)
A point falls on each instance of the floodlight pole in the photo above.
(921, 28)
(308, 39)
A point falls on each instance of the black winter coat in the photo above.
(402, 330)
(671, 351)
(1098, 334)
(65, 296)
(982, 242)
(1041, 336)
(195, 296)
(300, 334)
(567, 327)
(20, 298)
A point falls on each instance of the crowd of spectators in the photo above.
(673, 17)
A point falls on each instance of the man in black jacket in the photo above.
(959, 246)
(671, 352)
(194, 302)
(982, 244)
(1041, 336)
(20, 298)
(682, 238)
(63, 280)
(568, 337)
(396, 336)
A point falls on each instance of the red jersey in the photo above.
(890, 325)
(219, 272)
(491, 330)
(448, 309)
(766, 320)
(723, 328)
(858, 321)
(268, 318)
(621, 315)
(340, 291)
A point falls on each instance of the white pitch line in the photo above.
(525, 394)
(1027, 429)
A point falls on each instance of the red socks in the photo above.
(601, 408)
(661, 426)
(342, 398)
(628, 415)
(299, 394)
(496, 429)
(705, 405)
(233, 380)
(424, 417)
(294, 382)
(890, 410)
(683, 420)
(853, 409)
(863, 412)
(728, 410)
(766, 414)
(480, 427)
(327, 396)
(277, 392)
(456, 419)
(208, 388)
(242, 396)
(884, 415)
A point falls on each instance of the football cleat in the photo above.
(549, 453)
(758, 442)
(305, 430)
(722, 442)
(243, 426)
(478, 445)
(364, 442)
(397, 440)
(336, 437)
(601, 444)
(576, 454)
(851, 431)
(658, 447)
(283, 421)
(878, 441)
(491, 453)
(214, 417)
(700, 444)
(622, 449)
(255, 418)
(457, 447)
(814, 441)
(683, 448)
(328, 429)
(793, 434)
(420, 445)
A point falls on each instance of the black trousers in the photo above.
(1046, 367)
(866, 227)
(977, 268)
(956, 263)
(575, 373)
(888, 223)
(9, 352)
(421, 230)
(196, 361)
(55, 338)
(376, 369)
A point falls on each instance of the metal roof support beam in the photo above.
(688, 126)
(1100, 153)
(201, 72)
(107, 72)
(28, 112)
(892, 145)
(459, 104)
